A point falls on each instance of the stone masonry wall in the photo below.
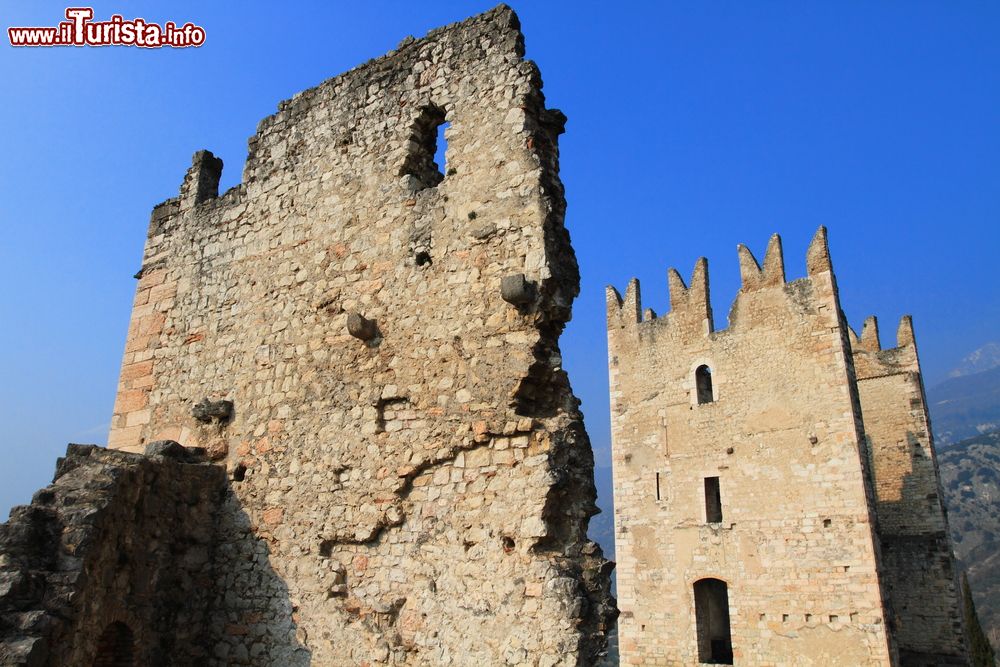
(119, 546)
(795, 545)
(920, 571)
(368, 342)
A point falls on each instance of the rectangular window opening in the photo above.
(713, 500)
(657, 486)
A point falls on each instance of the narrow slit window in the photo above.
(713, 500)
(657, 486)
(703, 384)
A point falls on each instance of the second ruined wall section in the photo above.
(113, 560)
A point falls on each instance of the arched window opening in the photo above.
(425, 159)
(703, 384)
(711, 608)
(115, 647)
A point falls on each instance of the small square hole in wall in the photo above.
(784, 618)
(827, 523)
(854, 617)
(809, 618)
(847, 568)
(834, 618)
(763, 617)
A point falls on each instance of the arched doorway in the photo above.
(115, 647)
(711, 609)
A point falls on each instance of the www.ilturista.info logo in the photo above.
(80, 30)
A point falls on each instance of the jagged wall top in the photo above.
(693, 303)
(361, 85)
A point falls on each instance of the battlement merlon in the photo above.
(201, 182)
(773, 273)
(624, 310)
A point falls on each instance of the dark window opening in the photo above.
(703, 384)
(425, 159)
(711, 608)
(657, 486)
(115, 647)
(713, 500)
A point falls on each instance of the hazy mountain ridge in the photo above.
(983, 359)
(965, 406)
(970, 479)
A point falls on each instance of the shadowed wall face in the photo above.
(367, 339)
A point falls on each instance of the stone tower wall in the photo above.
(920, 571)
(783, 435)
(404, 447)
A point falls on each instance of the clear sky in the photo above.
(693, 126)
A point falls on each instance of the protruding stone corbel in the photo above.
(206, 411)
(361, 328)
(516, 289)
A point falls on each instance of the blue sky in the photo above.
(693, 126)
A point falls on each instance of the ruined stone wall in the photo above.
(782, 434)
(919, 565)
(113, 559)
(404, 447)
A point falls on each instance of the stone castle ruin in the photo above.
(776, 491)
(342, 433)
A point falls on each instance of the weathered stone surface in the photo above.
(742, 463)
(425, 500)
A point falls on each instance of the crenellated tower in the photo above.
(921, 576)
(746, 520)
